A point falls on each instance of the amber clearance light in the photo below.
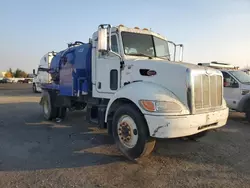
(148, 105)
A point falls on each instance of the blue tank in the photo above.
(71, 70)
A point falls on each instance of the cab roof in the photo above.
(122, 28)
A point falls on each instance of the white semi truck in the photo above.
(41, 75)
(131, 87)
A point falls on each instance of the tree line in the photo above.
(18, 73)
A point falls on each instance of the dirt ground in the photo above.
(35, 153)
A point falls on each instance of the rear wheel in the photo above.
(49, 110)
(130, 132)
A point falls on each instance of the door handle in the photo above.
(99, 86)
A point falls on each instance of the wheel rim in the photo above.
(127, 131)
(46, 107)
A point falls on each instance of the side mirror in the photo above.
(34, 72)
(103, 45)
(235, 85)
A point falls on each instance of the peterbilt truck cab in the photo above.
(130, 86)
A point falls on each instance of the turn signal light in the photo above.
(148, 105)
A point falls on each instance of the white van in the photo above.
(236, 87)
(42, 76)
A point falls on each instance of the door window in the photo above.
(114, 44)
(229, 81)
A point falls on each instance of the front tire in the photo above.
(34, 88)
(247, 114)
(131, 133)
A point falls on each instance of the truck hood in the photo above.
(170, 75)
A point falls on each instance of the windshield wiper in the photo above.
(141, 54)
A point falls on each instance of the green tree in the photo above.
(20, 73)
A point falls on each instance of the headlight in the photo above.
(244, 91)
(160, 106)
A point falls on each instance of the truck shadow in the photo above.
(223, 148)
(30, 143)
(238, 117)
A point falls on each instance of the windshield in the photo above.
(241, 76)
(144, 45)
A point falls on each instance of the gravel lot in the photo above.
(35, 153)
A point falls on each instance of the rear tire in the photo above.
(49, 110)
(131, 133)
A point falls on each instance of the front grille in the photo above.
(207, 92)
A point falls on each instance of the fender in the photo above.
(147, 91)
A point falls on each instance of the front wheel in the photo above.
(34, 88)
(247, 114)
(131, 133)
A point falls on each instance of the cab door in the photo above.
(232, 92)
(108, 69)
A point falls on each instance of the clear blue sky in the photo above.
(209, 29)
